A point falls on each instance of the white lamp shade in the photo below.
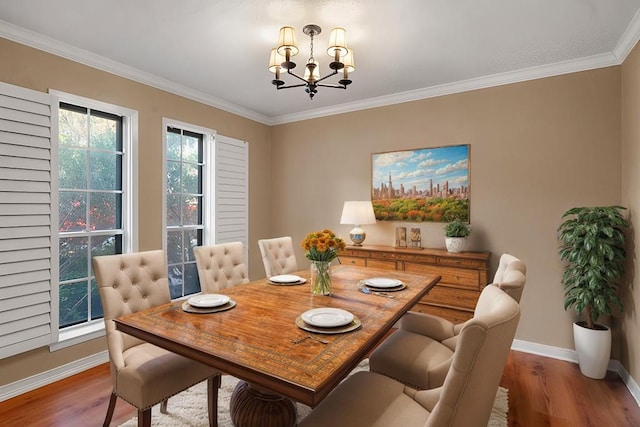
(337, 41)
(275, 60)
(358, 213)
(287, 40)
(349, 63)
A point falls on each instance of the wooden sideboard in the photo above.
(464, 275)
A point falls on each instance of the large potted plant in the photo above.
(456, 233)
(592, 242)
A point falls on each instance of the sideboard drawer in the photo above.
(377, 263)
(461, 262)
(354, 253)
(452, 297)
(455, 276)
(346, 260)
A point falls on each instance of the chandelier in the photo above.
(287, 47)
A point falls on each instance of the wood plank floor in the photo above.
(542, 392)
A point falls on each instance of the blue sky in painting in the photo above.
(417, 167)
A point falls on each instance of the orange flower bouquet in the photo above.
(322, 247)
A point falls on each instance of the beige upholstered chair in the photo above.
(368, 399)
(143, 374)
(420, 352)
(221, 266)
(511, 276)
(278, 256)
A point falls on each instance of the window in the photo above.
(95, 200)
(184, 151)
(206, 190)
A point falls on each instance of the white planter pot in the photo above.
(455, 244)
(594, 350)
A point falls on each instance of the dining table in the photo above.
(260, 337)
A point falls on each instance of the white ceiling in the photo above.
(216, 51)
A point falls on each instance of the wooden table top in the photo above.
(254, 341)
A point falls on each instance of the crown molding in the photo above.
(46, 44)
(533, 73)
(37, 41)
(628, 39)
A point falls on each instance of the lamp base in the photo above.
(357, 236)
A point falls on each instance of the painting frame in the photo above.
(429, 184)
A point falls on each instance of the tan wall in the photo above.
(26, 67)
(630, 351)
(537, 149)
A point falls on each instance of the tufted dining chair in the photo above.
(368, 399)
(278, 256)
(511, 276)
(143, 374)
(420, 352)
(221, 266)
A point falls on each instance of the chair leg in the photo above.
(213, 384)
(110, 409)
(163, 406)
(144, 418)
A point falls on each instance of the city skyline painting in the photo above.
(421, 185)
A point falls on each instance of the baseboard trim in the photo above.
(571, 356)
(31, 383)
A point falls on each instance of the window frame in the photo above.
(95, 328)
(208, 198)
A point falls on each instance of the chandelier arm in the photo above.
(290, 86)
(333, 86)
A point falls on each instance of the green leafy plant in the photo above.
(592, 243)
(457, 228)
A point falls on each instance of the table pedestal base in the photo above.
(251, 406)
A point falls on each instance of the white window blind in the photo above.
(25, 219)
(231, 183)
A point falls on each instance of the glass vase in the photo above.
(321, 277)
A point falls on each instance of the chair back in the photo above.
(511, 276)
(221, 266)
(278, 256)
(469, 390)
(129, 283)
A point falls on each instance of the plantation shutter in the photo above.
(231, 185)
(25, 219)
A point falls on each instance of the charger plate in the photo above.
(191, 309)
(374, 288)
(355, 324)
(298, 282)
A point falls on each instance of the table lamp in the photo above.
(357, 213)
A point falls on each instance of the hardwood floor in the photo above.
(542, 392)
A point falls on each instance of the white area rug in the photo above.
(188, 409)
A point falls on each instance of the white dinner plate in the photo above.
(327, 317)
(285, 278)
(208, 300)
(382, 282)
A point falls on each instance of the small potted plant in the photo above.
(456, 233)
(592, 242)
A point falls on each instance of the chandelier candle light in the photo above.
(287, 47)
(357, 213)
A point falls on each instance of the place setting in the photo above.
(208, 303)
(328, 320)
(381, 286)
(286, 280)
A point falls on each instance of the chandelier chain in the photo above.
(311, 58)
